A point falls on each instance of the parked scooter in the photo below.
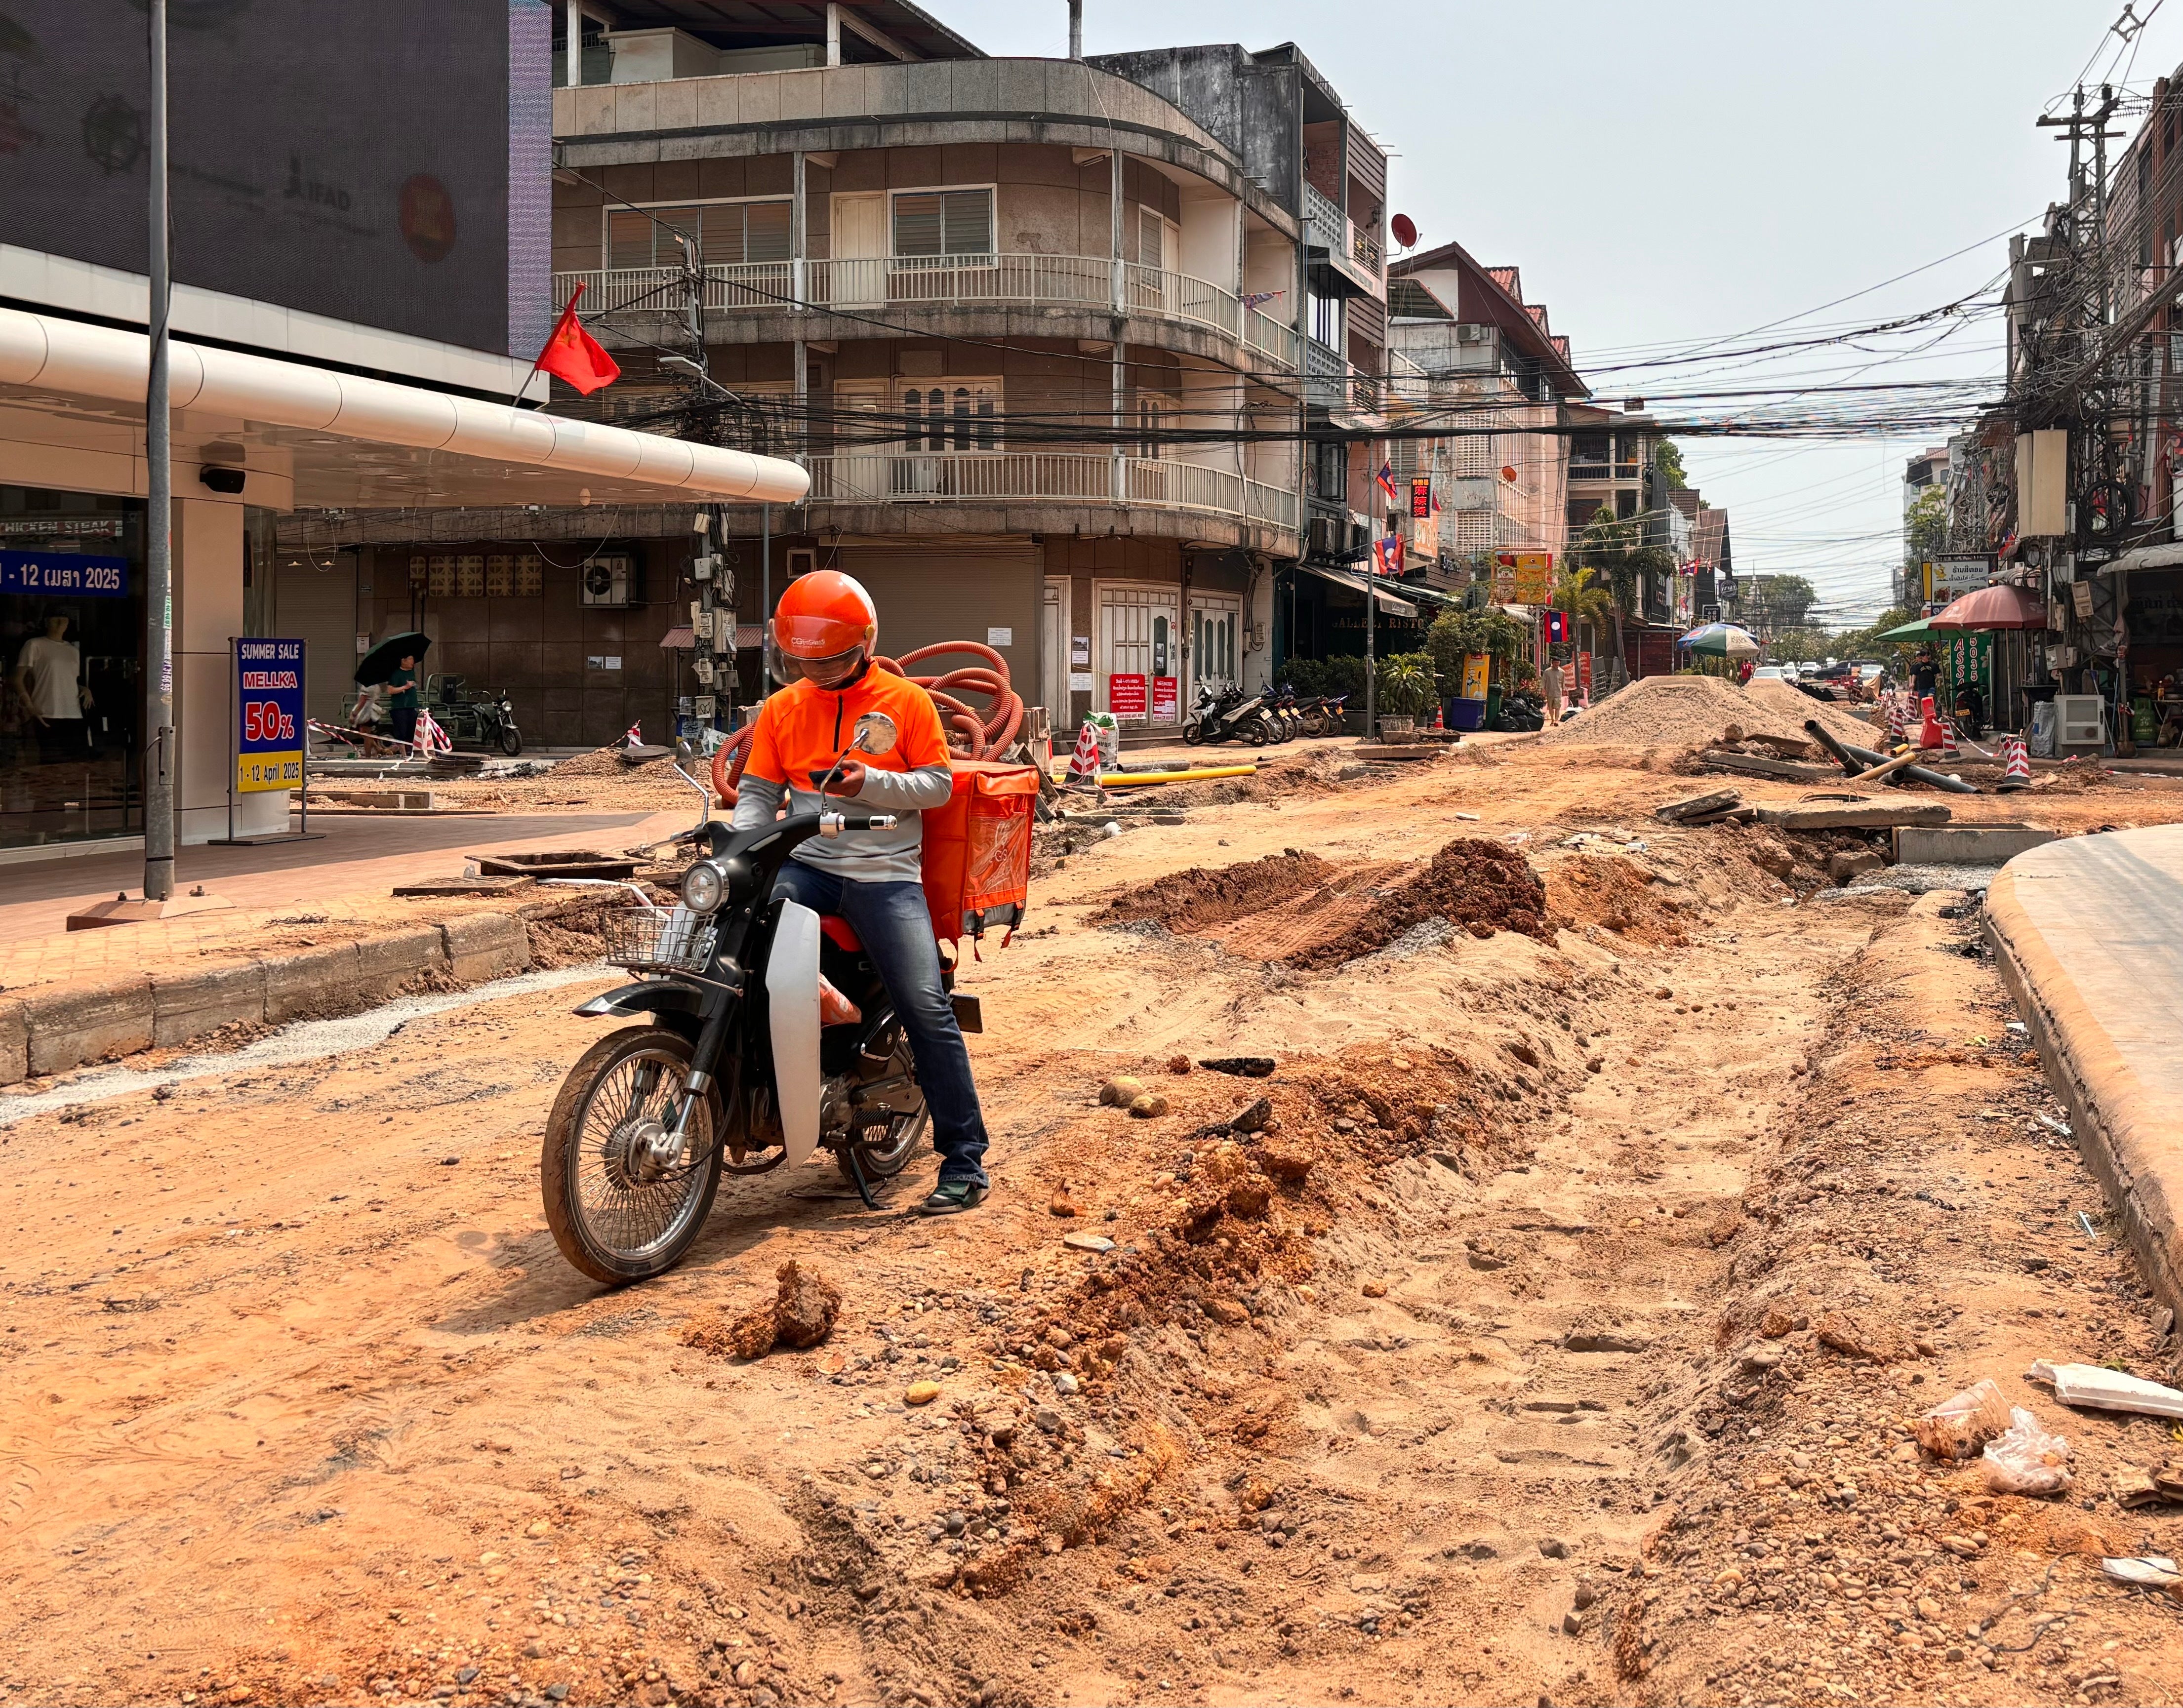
(1322, 715)
(764, 1032)
(1287, 714)
(1233, 716)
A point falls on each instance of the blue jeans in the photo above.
(895, 927)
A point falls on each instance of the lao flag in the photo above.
(1386, 478)
(1387, 555)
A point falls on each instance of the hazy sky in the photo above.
(1695, 169)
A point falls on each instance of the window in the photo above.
(1589, 450)
(727, 234)
(1626, 505)
(1326, 320)
(1580, 513)
(1151, 239)
(1155, 412)
(944, 222)
(951, 415)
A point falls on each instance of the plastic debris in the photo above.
(2145, 1570)
(2107, 1390)
(1087, 1242)
(2024, 1459)
(2085, 1222)
(1963, 1424)
(2053, 1126)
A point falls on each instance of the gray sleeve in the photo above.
(921, 789)
(756, 802)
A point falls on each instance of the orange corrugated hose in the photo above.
(973, 732)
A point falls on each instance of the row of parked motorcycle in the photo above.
(1276, 714)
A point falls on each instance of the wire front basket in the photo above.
(658, 939)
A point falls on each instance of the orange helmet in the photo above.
(823, 614)
(825, 625)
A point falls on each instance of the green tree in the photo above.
(1577, 592)
(1800, 645)
(1924, 534)
(1407, 682)
(1773, 603)
(1616, 552)
(1489, 630)
(1668, 459)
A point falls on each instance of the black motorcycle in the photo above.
(1233, 716)
(764, 1032)
(488, 724)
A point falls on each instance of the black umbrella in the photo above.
(384, 659)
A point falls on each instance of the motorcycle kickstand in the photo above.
(856, 1174)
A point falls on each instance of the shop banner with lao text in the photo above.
(1125, 694)
(269, 708)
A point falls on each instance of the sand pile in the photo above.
(1477, 886)
(1692, 711)
(606, 762)
(1781, 699)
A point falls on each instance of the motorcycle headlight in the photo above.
(702, 887)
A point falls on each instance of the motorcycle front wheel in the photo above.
(618, 1213)
(511, 740)
(1192, 733)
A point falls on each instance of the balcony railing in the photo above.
(1318, 208)
(885, 476)
(1331, 383)
(946, 281)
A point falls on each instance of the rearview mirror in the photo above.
(875, 733)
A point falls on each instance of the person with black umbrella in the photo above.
(392, 664)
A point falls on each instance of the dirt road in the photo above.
(1554, 1340)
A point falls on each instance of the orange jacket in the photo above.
(803, 728)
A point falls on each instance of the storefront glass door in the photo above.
(71, 646)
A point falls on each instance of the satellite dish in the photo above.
(1405, 229)
(1508, 474)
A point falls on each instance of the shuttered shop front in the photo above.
(951, 593)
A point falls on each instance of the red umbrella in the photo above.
(1992, 607)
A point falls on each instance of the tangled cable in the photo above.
(971, 734)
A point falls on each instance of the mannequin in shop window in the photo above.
(49, 681)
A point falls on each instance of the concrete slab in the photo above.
(1967, 844)
(2088, 934)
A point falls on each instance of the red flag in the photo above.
(574, 355)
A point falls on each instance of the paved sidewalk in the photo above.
(298, 893)
(2089, 933)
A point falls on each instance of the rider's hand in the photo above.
(848, 780)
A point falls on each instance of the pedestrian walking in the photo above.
(1550, 690)
(405, 698)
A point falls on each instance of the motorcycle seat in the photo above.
(837, 933)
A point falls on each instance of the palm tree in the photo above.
(1576, 592)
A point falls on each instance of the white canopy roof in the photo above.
(351, 441)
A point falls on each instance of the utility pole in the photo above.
(158, 519)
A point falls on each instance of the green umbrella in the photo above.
(1921, 629)
(1721, 641)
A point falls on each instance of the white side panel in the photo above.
(791, 995)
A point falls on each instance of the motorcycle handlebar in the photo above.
(834, 823)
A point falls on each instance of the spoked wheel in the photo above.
(622, 1206)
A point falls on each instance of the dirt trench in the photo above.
(1425, 1381)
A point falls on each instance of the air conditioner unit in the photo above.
(1468, 333)
(609, 581)
(1325, 535)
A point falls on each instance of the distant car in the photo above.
(1775, 673)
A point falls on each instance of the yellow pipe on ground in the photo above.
(1131, 780)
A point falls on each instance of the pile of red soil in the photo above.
(1478, 887)
(1601, 890)
(1192, 900)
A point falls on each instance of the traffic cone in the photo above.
(1947, 738)
(1929, 732)
(2016, 759)
(1084, 762)
(1439, 722)
(1894, 710)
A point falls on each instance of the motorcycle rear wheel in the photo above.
(616, 1217)
(886, 1156)
(1255, 734)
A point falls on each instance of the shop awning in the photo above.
(1921, 629)
(1358, 584)
(2147, 557)
(346, 440)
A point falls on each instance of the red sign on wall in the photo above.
(1126, 695)
(1167, 700)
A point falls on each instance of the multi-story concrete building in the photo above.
(1011, 312)
(1492, 365)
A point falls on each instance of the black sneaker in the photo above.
(953, 1198)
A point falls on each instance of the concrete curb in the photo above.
(52, 1029)
(2126, 1138)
